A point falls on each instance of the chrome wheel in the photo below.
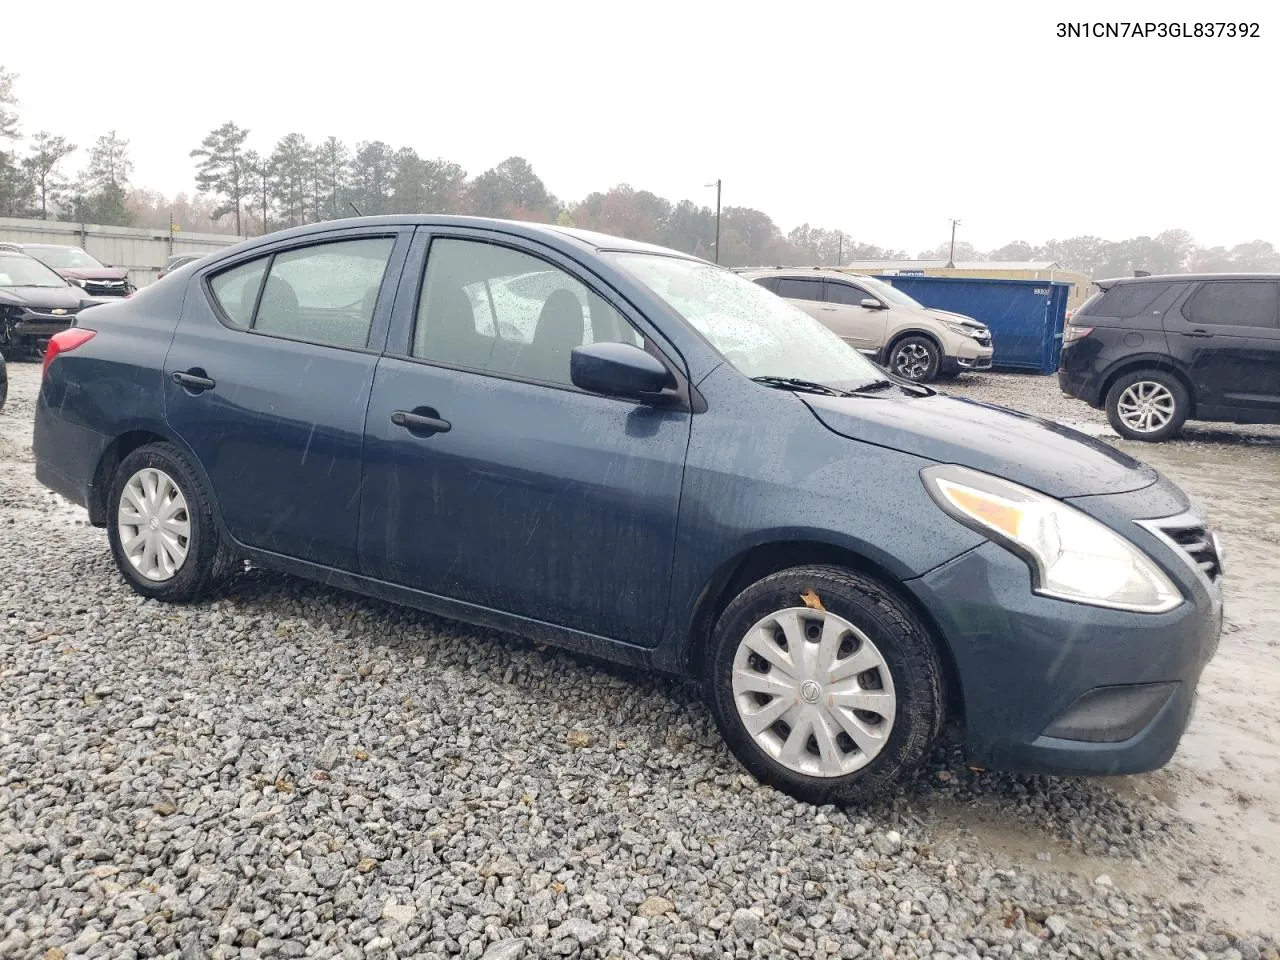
(1146, 406)
(813, 692)
(912, 360)
(154, 525)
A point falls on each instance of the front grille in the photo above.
(1200, 546)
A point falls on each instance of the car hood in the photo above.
(1036, 453)
(101, 273)
(43, 298)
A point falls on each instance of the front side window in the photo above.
(759, 334)
(846, 293)
(1240, 303)
(325, 293)
(795, 289)
(505, 312)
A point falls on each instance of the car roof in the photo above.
(582, 239)
(47, 246)
(1107, 284)
(819, 272)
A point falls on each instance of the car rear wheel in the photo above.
(1147, 405)
(161, 528)
(824, 684)
(915, 358)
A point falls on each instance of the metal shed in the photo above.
(1025, 316)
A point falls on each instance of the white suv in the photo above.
(910, 339)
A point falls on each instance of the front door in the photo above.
(489, 478)
(861, 327)
(267, 381)
(1227, 335)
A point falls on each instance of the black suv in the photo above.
(1157, 351)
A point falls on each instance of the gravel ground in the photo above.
(294, 771)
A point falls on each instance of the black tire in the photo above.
(899, 636)
(1175, 390)
(208, 560)
(915, 358)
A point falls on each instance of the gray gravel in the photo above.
(294, 771)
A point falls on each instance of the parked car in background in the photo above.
(673, 468)
(35, 303)
(178, 260)
(910, 339)
(1158, 351)
(79, 268)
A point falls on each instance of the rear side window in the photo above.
(325, 293)
(846, 293)
(1125, 300)
(795, 289)
(1241, 303)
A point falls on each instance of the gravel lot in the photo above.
(294, 771)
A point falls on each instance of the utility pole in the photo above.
(951, 260)
(717, 186)
(840, 248)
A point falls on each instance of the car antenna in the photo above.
(355, 208)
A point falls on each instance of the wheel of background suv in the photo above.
(915, 358)
(824, 684)
(161, 528)
(1147, 405)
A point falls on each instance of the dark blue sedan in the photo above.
(637, 454)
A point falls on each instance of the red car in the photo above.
(75, 266)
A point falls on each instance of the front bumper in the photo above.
(1063, 688)
(31, 324)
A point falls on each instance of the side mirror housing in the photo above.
(871, 304)
(621, 370)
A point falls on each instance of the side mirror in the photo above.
(871, 304)
(621, 370)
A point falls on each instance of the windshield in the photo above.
(22, 271)
(759, 333)
(889, 292)
(66, 258)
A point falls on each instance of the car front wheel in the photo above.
(1147, 405)
(161, 528)
(915, 358)
(825, 684)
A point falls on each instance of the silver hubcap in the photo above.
(814, 692)
(912, 360)
(154, 525)
(1145, 406)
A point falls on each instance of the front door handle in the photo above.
(193, 381)
(1197, 333)
(420, 424)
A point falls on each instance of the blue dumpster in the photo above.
(1025, 316)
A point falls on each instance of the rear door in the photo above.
(859, 326)
(267, 381)
(522, 493)
(1226, 333)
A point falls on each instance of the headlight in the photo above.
(1071, 555)
(963, 329)
(76, 280)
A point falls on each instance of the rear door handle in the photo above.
(193, 381)
(420, 424)
(1197, 333)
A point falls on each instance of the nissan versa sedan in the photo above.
(668, 466)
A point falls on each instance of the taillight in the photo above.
(64, 341)
(1070, 334)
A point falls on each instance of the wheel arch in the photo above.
(763, 559)
(1155, 363)
(915, 332)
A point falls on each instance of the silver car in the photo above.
(910, 339)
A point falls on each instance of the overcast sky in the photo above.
(883, 120)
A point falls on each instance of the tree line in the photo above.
(247, 190)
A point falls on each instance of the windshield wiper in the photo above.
(873, 385)
(796, 383)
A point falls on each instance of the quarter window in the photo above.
(1240, 303)
(794, 288)
(1126, 300)
(325, 293)
(501, 311)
